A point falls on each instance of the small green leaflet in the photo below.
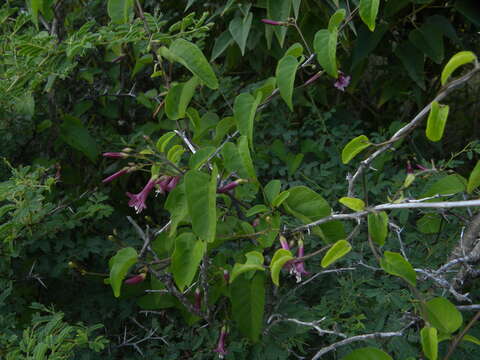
(120, 11)
(119, 265)
(164, 140)
(325, 45)
(368, 12)
(395, 264)
(285, 73)
(436, 121)
(280, 258)
(354, 147)
(280, 198)
(271, 190)
(443, 315)
(429, 340)
(474, 178)
(296, 50)
(254, 262)
(336, 252)
(353, 203)
(378, 227)
(457, 60)
(256, 209)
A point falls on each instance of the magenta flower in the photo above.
(230, 186)
(115, 175)
(226, 275)
(342, 82)
(220, 349)
(289, 264)
(198, 300)
(136, 279)
(172, 184)
(313, 78)
(137, 201)
(423, 168)
(273, 22)
(115, 155)
(300, 265)
(162, 184)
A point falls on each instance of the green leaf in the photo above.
(280, 258)
(367, 42)
(471, 338)
(119, 265)
(336, 252)
(254, 262)
(354, 147)
(221, 44)
(271, 190)
(378, 227)
(176, 204)
(200, 189)
(336, 19)
(447, 185)
(413, 61)
(248, 302)
(367, 353)
(244, 110)
(190, 56)
(164, 140)
(178, 98)
(120, 11)
(186, 259)
(278, 10)
(436, 121)
(429, 341)
(280, 198)
(296, 50)
(457, 60)
(35, 7)
(175, 153)
(368, 12)
(266, 89)
(293, 162)
(325, 45)
(353, 203)
(429, 224)
(285, 73)
(222, 129)
(429, 41)
(394, 264)
(306, 205)
(197, 160)
(443, 315)
(245, 157)
(474, 178)
(256, 209)
(73, 133)
(239, 29)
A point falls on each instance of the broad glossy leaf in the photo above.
(239, 29)
(178, 98)
(367, 353)
(353, 203)
(280, 258)
(325, 45)
(248, 302)
(120, 11)
(436, 121)
(336, 19)
(285, 73)
(450, 184)
(336, 252)
(254, 262)
(474, 178)
(221, 44)
(429, 341)
(395, 264)
(119, 265)
(457, 60)
(176, 205)
(296, 50)
(73, 133)
(278, 10)
(245, 157)
(223, 128)
(306, 205)
(190, 56)
(244, 110)
(378, 227)
(354, 147)
(272, 189)
(443, 315)
(368, 12)
(201, 189)
(186, 259)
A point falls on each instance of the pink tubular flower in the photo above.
(300, 266)
(198, 300)
(136, 279)
(313, 78)
(220, 349)
(273, 22)
(226, 275)
(115, 175)
(423, 168)
(137, 201)
(342, 82)
(115, 155)
(230, 186)
(288, 265)
(162, 184)
(172, 184)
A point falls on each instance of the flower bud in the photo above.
(136, 279)
(115, 155)
(198, 300)
(226, 275)
(274, 23)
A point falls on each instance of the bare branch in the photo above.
(313, 324)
